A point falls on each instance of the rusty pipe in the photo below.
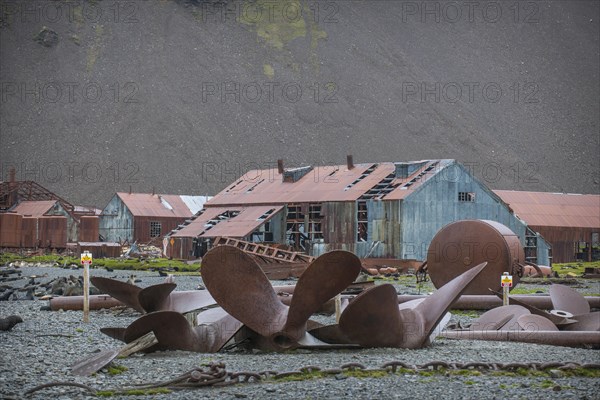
(487, 302)
(553, 338)
(101, 301)
(97, 302)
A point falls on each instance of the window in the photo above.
(466, 197)
(154, 229)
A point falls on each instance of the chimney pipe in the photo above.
(129, 189)
(349, 161)
(280, 166)
(12, 173)
(153, 190)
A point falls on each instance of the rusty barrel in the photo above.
(461, 245)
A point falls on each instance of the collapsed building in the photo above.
(387, 210)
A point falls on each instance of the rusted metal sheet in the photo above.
(463, 244)
(89, 229)
(29, 232)
(52, 232)
(34, 208)
(155, 205)
(101, 249)
(241, 225)
(321, 184)
(564, 242)
(554, 209)
(10, 229)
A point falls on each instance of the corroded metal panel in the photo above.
(10, 229)
(52, 232)
(116, 222)
(29, 232)
(560, 210)
(89, 228)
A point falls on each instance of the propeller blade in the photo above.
(556, 319)
(172, 330)
(585, 322)
(567, 299)
(434, 307)
(156, 297)
(237, 284)
(499, 318)
(324, 278)
(372, 318)
(115, 333)
(534, 323)
(330, 334)
(187, 301)
(215, 328)
(122, 291)
(94, 363)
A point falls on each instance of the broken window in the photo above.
(466, 197)
(362, 217)
(155, 229)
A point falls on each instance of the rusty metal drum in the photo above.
(461, 245)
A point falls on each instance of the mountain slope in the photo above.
(393, 84)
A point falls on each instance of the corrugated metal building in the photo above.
(44, 223)
(569, 222)
(376, 210)
(144, 217)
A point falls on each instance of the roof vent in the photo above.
(295, 174)
(406, 169)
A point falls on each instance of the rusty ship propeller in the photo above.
(238, 284)
(374, 319)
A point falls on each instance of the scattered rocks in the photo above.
(47, 37)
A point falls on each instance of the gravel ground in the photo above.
(42, 348)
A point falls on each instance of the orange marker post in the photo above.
(506, 281)
(86, 260)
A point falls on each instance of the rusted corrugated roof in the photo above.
(246, 221)
(34, 208)
(242, 224)
(156, 205)
(329, 183)
(554, 209)
(197, 226)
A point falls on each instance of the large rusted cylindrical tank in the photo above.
(461, 245)
(89, 228)
(10, 229)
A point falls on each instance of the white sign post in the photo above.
(506, 281)
(86, 260)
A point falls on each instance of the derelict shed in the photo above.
(43, 223)
(81, 221)
(144, 217)
(376, 210)
(569, 222)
